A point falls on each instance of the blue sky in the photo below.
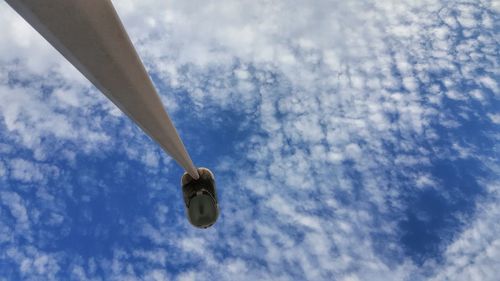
(351, 140)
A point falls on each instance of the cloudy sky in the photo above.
(351, 140)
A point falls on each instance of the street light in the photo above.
(90, 35)
(200, 198)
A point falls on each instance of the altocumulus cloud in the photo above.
(352, 140)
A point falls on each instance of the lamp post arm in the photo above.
(90, 35)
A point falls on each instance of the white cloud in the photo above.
(25, 171)
(475, 253)
(17, 208)
(2, 169)
(33, 263)
(495, 118)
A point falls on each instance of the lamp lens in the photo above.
(202, 210)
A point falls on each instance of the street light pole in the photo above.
(90, 35)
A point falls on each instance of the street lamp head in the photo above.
(200, 198)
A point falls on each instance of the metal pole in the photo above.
(90, 35)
